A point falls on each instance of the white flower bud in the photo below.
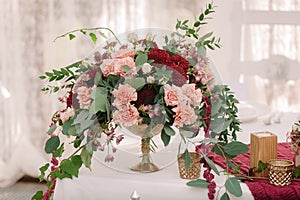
(146, 68)
(150, 79)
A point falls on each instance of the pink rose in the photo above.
(172, 95)
(184, 115)
(194, 95)
(127, 115)
(123, 95)
(84, 97)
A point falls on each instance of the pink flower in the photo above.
(66, 114)
(114, 66)
(172, 95)
(194, 95)
(119, 63)
(184, 115)
(123, 95)
(123, 53)
(127, 115)
(119, 139)
(109, 158)
(84, 97)
(204, 75)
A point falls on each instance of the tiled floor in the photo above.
(21, 191)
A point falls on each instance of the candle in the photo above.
(135, 196)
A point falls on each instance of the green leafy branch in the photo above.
(228, 151)
(208, 40)
(90, 32)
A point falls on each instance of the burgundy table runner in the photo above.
(261, 189)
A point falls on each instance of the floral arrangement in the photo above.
(142, 82)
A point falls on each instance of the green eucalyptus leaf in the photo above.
(198, 183)
(86, 157)
(187, 134)
(141, 59)
(235, 148)
(211, 165)
(136, 83)
(99, 96)
(187, 160)
(233, 186)
(169, 131)
(225, 196)
(52, 129)
(52, 144)
(165, 137)
(201, 51)
(82, 116)
(218, 125)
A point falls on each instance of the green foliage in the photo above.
(235, 148)
(43, 169)
(58, 152)
(38, 195)
(206, 41)
(296, 172)
(71, 36)
(52, 144)
(86, 157)
(141, 59)
(93, 37)
(71, 166)
(211, 164)
(187, 160)
(99, 95)
(233, 186)
(198, 183)
(225, 196)
(165, 137)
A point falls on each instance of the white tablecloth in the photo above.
(105, 183)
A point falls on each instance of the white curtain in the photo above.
(263, 41)
(27, 51)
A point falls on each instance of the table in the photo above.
(105, 183)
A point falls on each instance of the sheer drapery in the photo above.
(262, 41)
(27, 50)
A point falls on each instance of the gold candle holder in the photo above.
(280, 172)
(194, 170)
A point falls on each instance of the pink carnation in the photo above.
(123, 53)
(194, 95)
(184, 115)
(204, 75)
(123, 95)
(172, 95)
(114, 66)
(84, 97)
(127, 115)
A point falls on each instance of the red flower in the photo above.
(160, 56)
(145, 96)
(175, 63)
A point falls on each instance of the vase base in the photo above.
(145, 167)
